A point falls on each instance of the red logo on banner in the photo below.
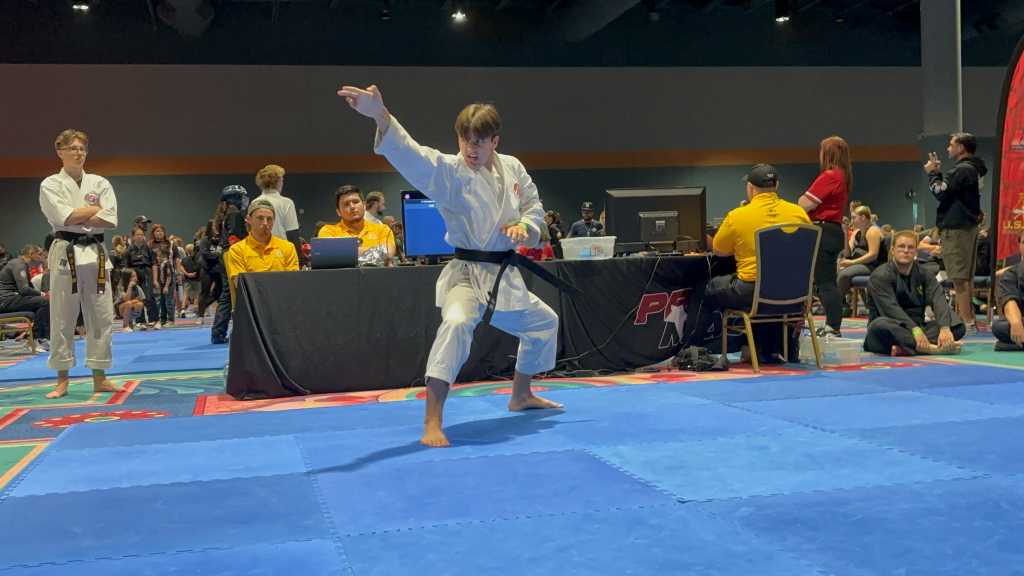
(673, 312)
(1011, 167)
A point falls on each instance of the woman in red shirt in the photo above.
(825, 202)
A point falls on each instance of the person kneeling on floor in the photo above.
(1009, 328)
(898, 293)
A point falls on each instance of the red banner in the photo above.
(1009, 183)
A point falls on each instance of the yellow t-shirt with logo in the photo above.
(371, 235)
(736, 234)
(251, 256)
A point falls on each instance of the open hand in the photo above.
(844, 264)
(515, 233)
(367, 102)
(933, 165)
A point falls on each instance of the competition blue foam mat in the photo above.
(812, 474)
(136, 352)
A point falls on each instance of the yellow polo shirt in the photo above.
(736, 234)
(371, 235)
(251, 256)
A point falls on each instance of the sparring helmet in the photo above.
(235, 195)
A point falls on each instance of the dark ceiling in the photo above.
(495, 32)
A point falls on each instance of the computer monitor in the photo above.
(623, 208)
(424, 226)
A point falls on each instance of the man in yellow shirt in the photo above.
(736, 238)
(376, 241)
(260, 251)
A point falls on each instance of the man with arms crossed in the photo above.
(490, 206)
(79, 207)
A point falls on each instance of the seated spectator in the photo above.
(260, 251)
(586, 227)
(17, 294)
(918, 228)
(886, 228)
(736, 237)
(898, 293)
(399, 231)
(929, 252)
(543, 250)
(984, 265)
(1009, 328)
(129, 305)
(863, 252)
(376, 241)
(388, 221)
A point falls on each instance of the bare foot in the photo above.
(898, 351)
(60, 391)
(531, 402)
(434, 437)
(106, 386)
(952, 349)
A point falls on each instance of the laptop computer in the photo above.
(327, 253)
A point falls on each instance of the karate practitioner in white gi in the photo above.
(489, 204)
(79, 207)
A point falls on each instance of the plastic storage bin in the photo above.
(588, 248)
(834, 351)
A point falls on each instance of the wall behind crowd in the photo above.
(170, 137)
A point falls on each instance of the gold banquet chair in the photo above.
(784, 289)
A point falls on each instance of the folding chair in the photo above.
(19, 318)
(783, 291)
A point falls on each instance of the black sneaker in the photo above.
(1008, 347)
(829, 331)
(216, 340)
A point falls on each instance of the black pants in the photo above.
(1001, 330)
(708, 299)
(40, 306)
(150, 313)
(209, 290)
(825, 275)
(223, 315)
(884, 333)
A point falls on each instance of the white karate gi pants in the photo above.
(536, 328)
(97, 311)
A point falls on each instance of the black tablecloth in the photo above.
(371, 328)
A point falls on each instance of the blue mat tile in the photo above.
(225, 427)
(934, 376)
(878, 410)
(661, 540)
(310, 557)
(121, 467)
(356, 449)
(1011, 393)
(994, 445)
(665, 424)
(764, 465)
(165, 518)
(477, 489)
(757, 389)
(951, 528)
(608, 398)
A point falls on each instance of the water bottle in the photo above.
(225, 377)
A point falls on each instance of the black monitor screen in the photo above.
(424, 227)
(623, 207)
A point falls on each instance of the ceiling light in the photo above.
(783, 18)
(80, 7)
(385, 15)
(782, 10)
(459, 16)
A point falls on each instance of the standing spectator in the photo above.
(190, 274)
(958, 216)
(142, 260)
(586, 227)
(158, 239)
(131, 302)
(117, 259)
(208, 257)
(554, 221)
(375, 207)
(17, 294)
(862, 253)
(824, 202)
(4, 257)
(165, 287)
(230, 228)
(179, 275)
(286, 226)
(142, 222)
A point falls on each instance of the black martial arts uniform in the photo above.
(896, 305)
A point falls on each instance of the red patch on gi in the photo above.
(515, 188)
(92, 199)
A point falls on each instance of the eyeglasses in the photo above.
(905, 247)
(77, 149)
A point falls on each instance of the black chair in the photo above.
(19, 318)
(784, 289)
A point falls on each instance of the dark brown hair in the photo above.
(480, 119)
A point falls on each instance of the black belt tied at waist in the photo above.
(513, 258)
(82, 239)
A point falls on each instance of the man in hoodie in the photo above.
(958, 217)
